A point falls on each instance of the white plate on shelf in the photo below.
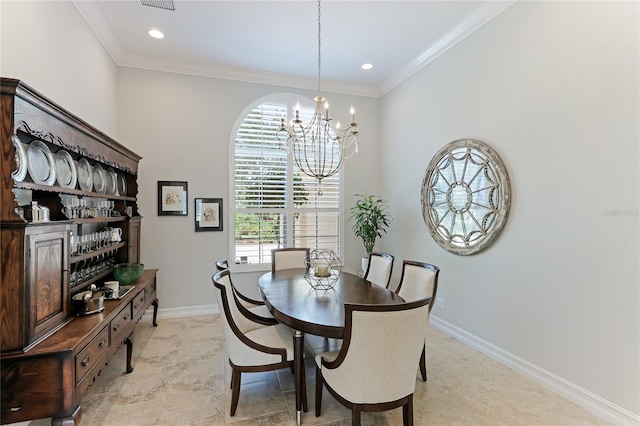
(66, 173)
(21, 160)
(121, 184)
(99, 179)
(85, 175)
(40, 163)
(111, 181)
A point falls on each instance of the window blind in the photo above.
(275, 204)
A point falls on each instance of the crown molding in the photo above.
(472, 22)
(98, 24)
(250, 76)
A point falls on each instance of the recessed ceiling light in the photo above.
(156, 34)
(367, 66)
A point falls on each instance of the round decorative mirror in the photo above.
(465, 196)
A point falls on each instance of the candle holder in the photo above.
(323, 269)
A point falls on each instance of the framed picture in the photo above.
(208, 214)
(172, 198)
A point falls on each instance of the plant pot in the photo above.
(365, 264)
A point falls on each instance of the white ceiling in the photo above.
(276, 42)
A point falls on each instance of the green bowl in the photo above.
(128, 273)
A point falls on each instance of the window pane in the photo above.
(317, 230)
(266, 195)
(256, 234)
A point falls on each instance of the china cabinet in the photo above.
(68, 213)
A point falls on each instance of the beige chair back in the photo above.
(379, 269)
(224, 284)
(382, 346)
(222, 264)
(418, 280)
(289, 258)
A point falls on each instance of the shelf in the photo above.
(94, 253)
(78, 288)
(99, 219)
(36, 187)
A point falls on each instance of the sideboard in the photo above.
(66, 189)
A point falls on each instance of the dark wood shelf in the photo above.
(94, 253)
(36, 187)
(99, 219)
(83, 286)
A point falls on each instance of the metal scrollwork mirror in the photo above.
(465, 196)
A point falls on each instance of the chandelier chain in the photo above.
(319, 38)
(318, 148)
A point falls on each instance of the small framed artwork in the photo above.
(208, 214)
(172, 198)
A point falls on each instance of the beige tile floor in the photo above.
(181, 377)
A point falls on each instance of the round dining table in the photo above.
(293, 301)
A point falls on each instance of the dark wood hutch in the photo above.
(49, 357)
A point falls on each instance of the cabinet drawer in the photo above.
(138, 304)
(119, 324)
(150, 289)
(88, 357)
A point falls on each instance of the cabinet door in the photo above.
(47, 277)
(134, 240)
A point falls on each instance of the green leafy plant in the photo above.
(370, 219)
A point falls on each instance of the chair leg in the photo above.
(231, 384)
(407, 412)
(355, 415)
(235, 392)
(318, 391)
(423, 364)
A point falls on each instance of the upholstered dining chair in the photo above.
(368, 373)
(255, 307)
(250, 347)
(289, 258)
(419, 280)
(379, 269)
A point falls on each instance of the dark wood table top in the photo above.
(292, 300)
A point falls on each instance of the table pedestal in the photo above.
(299, 373)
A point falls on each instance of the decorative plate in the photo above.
(99, 179)
(66, 173)
(111, 181)
(21, 160)
(85, 175)
(40, 163)
(121, 184)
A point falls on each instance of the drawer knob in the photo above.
(103, 342)
(126, 317)
(116, 327)
(85, 361)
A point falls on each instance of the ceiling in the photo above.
(276, 42)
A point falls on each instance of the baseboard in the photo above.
(193, 311)
(587, 400)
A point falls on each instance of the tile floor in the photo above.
(182, 378)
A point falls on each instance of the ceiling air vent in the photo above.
(160, 4)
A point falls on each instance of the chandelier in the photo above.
(319, 148)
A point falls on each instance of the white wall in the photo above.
(553, 87)
(49, 46)
(181, 125)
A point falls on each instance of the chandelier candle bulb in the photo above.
(353, 115)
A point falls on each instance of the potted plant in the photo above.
(370, 221)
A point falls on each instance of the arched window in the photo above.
(275, 204)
